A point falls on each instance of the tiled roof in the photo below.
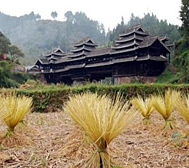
(43, 61)
(158, 58)
(123, 46)
(81, 49)
(170, 45)
(128, 59)
(85, 41)
(56, 52)
(124, 40)
(153, 58)
(63, 59)
(83, 53)
(52, 58)
(70, 67)
(134, 31)
(163, 39)
(148, 41)
(85, 50)
(123, 51)
(99, 64)
(81, 56)
(99, 52)
(132, 28)
(75, 59)
(75, 66)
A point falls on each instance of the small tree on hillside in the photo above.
(184, 16)
(15, 53)
(4, 44)
(54, 14)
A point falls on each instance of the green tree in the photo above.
(181, 58)
(133, 20)
(35, 36)
(69, 16)
(54, 14)
(184, 16)
(4, 44)
(151, 24)
(15, 53)
(6, 75)
(6, 47)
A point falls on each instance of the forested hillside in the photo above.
(151, 24)
(181, 58)
(36, 36)
(9, 59)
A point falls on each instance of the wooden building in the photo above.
(135, 53)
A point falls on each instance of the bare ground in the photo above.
(56, 144)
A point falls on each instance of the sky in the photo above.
(108, 12)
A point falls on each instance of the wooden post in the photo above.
(101, 164)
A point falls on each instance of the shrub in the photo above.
(50, 98)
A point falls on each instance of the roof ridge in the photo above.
(83, 40)
(137, 25)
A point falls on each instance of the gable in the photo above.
(158, 45)
(58, 51)
(140, 29)
(38, 62)
(90, 41)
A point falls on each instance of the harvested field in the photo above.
(57, 144)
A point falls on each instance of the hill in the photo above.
(35, 36)
(151, 24)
